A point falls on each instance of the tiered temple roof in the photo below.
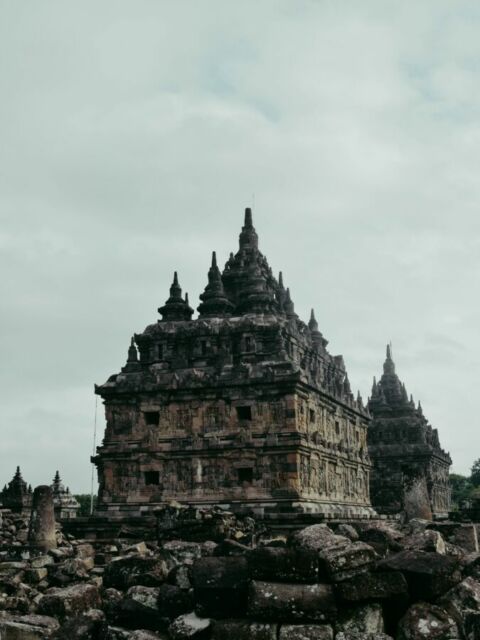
(405, 449)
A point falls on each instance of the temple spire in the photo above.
(312, 323)
(56, 482)
(317, 337)
(389, 365)
(289, 307)
(176, 308)
(132, 352)
(214, 300)
(248, 236)
(347, 389)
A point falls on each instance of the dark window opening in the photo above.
(337, 428)
(245, 474)
(249, 344)
(160, 351)
(203, 347)
(244, 413)
(152, 477)
(152, 417)
(312, 415)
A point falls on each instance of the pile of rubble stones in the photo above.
(362, 582)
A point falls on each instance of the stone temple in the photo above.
(410, 469)
(242, 406)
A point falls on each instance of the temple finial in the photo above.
(280, 280)
(389, 365)
(312, 323)
(132, 352)
(288, 305)
(214, 302)
(248, 235)
(176, 308)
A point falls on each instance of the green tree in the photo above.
(475, 473)
(461, 487)
(84, 500)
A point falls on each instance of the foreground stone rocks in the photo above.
(287, 602)
(313, 585)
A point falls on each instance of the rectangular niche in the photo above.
(244, 412)
(152, 477)
(245, 474)
(152, 417)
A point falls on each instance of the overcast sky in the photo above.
(132, 136)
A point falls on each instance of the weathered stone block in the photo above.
(34, 576)
(305, 632)
(341, 563)
(282, 602)
(189, 626)
(463, 598)
(383, 585)
(126, 572)
(173, 601)
(69, 601)
(428, 540)
(429, 575)
(427, 621)
(42, 561)
(367, 618)
(347, 531)
(91, 626)
(139, 609)
(359, 635)
(284, 564)
(220, 586)
(85, 550)
(462, 535)
(317, 537)
(183, 551)
(243, 630)
(29, 627)
(382, 539)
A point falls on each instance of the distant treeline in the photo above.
(84, 500)
(465, 487)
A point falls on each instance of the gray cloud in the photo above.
(134, 134)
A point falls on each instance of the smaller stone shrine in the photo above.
(66, 505)
(410, 469)
(17, 495)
